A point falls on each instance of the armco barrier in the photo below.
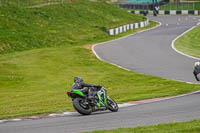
(170, 12)
(124, 28)
(184, 12)
(161, 12)
(136, 25)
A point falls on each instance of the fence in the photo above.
(150, 4)
(181, 6)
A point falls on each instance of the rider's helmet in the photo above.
(78, 80)
(196, 64)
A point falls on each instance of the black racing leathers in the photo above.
(80, 86)
(196, 72)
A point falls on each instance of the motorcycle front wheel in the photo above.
(81, 107)
(112, 105)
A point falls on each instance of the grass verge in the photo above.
(78, 23)
(182, 127)
(189, 43)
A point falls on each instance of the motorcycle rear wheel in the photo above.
(82, 108)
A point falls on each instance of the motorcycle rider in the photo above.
(79, 84)
(196, 71)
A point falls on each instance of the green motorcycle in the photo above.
(100, 102)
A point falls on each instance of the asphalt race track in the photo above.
(177, 109)
(148, 52)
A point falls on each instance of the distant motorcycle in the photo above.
(100, 102)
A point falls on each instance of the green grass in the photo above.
(76, 23)
(189, 43)
(28, 3)
(181, 6)
(182, 127)
(43, 49)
